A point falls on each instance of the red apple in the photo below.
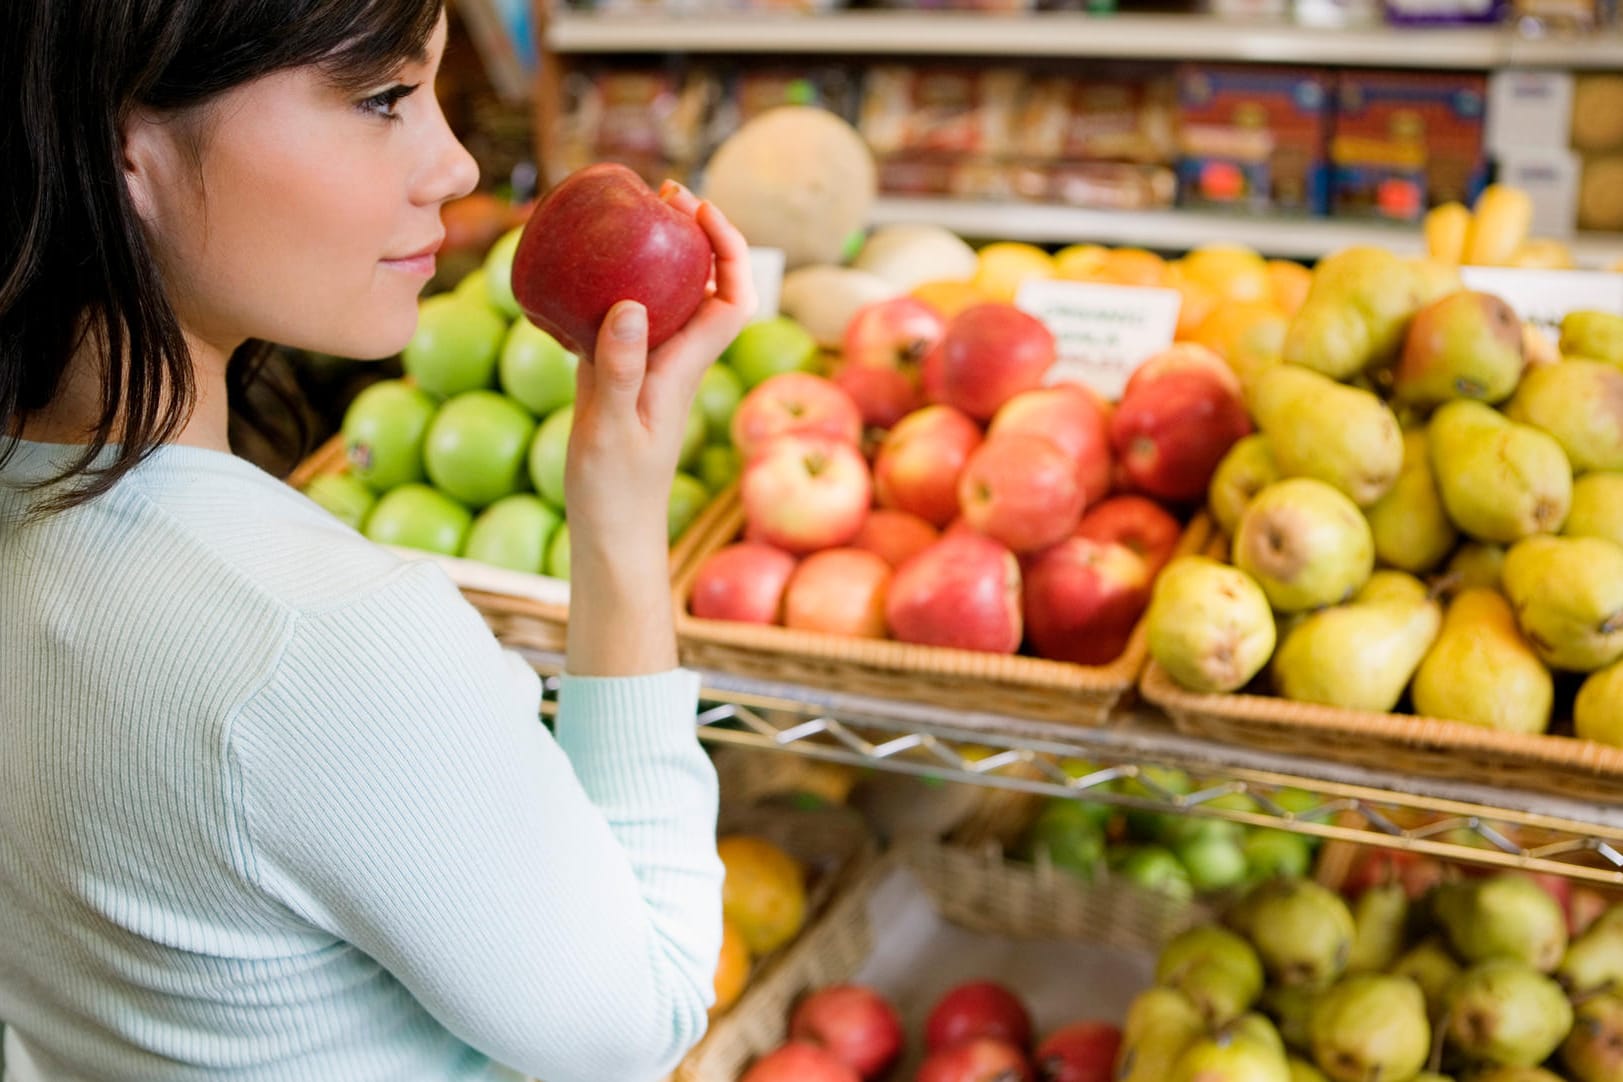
(1079, 1052)
(1069, 417)
(1171, 434)
(990, 353)
(894, 333)
(977, 1009)
(1082, 599)
(1021, 490)
(895, 536)
(794, 402)
(743, 582)
(1141, 524)
(800, 1062)
(840, 591)
(601, 237)
(1187, 357)
(806, 492)
(963, 591)
(982, 1059)
(883, 396)
(919, 462)
(931, 376)
(855, 1023)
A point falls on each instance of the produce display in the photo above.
(764, 906)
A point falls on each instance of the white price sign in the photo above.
(1542, 297)
(1103, 332)
(766, 267)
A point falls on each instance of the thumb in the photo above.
(621, 358)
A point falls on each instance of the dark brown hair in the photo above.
(74, 261)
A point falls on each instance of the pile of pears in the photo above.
(1430, 512)
(1477, 978)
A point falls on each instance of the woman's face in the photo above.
(312, 216)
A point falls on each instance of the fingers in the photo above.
(734, 283)
(621, 359)
(679, 197)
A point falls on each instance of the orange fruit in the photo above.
(949, 296)
(1079, 262)
(732, 968)
(1229, 271)
(764, 893)
(1197, 302)
(1005, 266)
(1288, 284)
(1132, 267)
(1248, 335)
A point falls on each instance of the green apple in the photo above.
(1276, 854)
(692, 438)
(558, 553)
(536, 369)
(419, 517)
(344, 496)
(513, 533)
(383, 434)
(455, 346)
(775, 345)
(1213, 861)
(472, 286)
(720, 390)
(688, 497)
(1158, 869)
(549, 451)
(1071, 834)
(498, 270)
(476, 446)
(719, 466)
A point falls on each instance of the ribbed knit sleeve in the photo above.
(553, 903)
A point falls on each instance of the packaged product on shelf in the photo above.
(1446, 12)
(1112, 185)
(1253, 138)
(1600, 193)
(1129, 117)
(649, 119)
(1406, 141)
(1550, 178)
(1597, 113)
(961, 111)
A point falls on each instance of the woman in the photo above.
(273, 804)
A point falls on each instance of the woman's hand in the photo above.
(631, 408)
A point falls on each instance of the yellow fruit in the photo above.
(1079, 262)
(1005, 266)
(1231, 272)
(1248, 335)
(1498, 227)
(1542, 253)
(1288, 284)
(1446, 229)
(764, 893)
(1132, 267)
(732, 968)
(949, 296)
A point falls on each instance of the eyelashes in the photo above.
(382, 104)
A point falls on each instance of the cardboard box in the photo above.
(1550, 178)
(1528, 110)
(1407, 141)
(1254, 138)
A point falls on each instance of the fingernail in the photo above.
(630, 322)
(716, 211)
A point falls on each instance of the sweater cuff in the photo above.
(606, 722)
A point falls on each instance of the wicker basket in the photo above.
(978, 891)
(527, 611)
(964, 680)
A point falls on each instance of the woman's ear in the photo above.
(144, 150)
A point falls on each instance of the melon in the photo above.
(910, 255)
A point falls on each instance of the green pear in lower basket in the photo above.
(1231, 1057)
(1500, 481)
(1246, 470)
(1302, 931)
(1380, 916)
(1503, 916)
(1593, 1050)
(1371, 1025)
(1306, 544)
(1597, 507)
(1580, 403)
(1292, 1012)
(1594, 961)
(1597, 335)
(1209, 625)
(1481, 670)
(1506, 1012)
(1344, 436)
(1432, 966)
(1214, 969)
(1568, 597)
(1598, 711)
(1361, 655)
(1412, 531)
(1477, 564)
(1160, 1024)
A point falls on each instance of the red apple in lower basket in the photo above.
(1183, 357)
(1141, 524)
(918, 463)
(894, 536)
(799, 1062)
(1020, 490)
(798, 403)
(963, 592)
(882, 395)
(804, 493)
(601, 237)
(990, 353)
(982, 1059)
(895, 333)
(977, 1009)
(1079, 1052)
(855, 1023)
(840, 591)
(1171, 434)
(1082, 599)
(1071, 419)
(743, 582)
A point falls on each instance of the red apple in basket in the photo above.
(977, 1009)
(1082, 599)
(980, 1059)
(855, 1023)
(1070, 418)
(895, 536)
(800, 1062)
(1171, 434)
(1183, 357)
(1079, 1052)
(990, 353)
(963, 592)
(896, 333)
(794, 402)
(883, 396)
(743, 582)
(840, 591)
(918, 463)
(1020, 490)
(601, 237)
(806, 492)
(1141, 524)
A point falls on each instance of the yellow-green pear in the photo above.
(1593, 1050)
(1371, 1025)
(1246, 470)
(1316, 427)
(1229, 1056)
(1161, 1023)
(1580, 403)
(1597, 335)
(1597, 507)
(1598, 712)
(1481, 670)
(1209, 625)
(1305, 543)
(1303, 1071)
(1466, 345)
(1360, 655)
(1381, 915)
(1568, 596)
(1356, 311)
(1432, 966)
(1477, 564)
(1436, 278)
(1500, 481)
(1412, 531)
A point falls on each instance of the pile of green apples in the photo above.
(1429, 515)
(466, 455)
(1482, 978)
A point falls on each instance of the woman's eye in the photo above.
(382, 104)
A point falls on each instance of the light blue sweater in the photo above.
(274, 805)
